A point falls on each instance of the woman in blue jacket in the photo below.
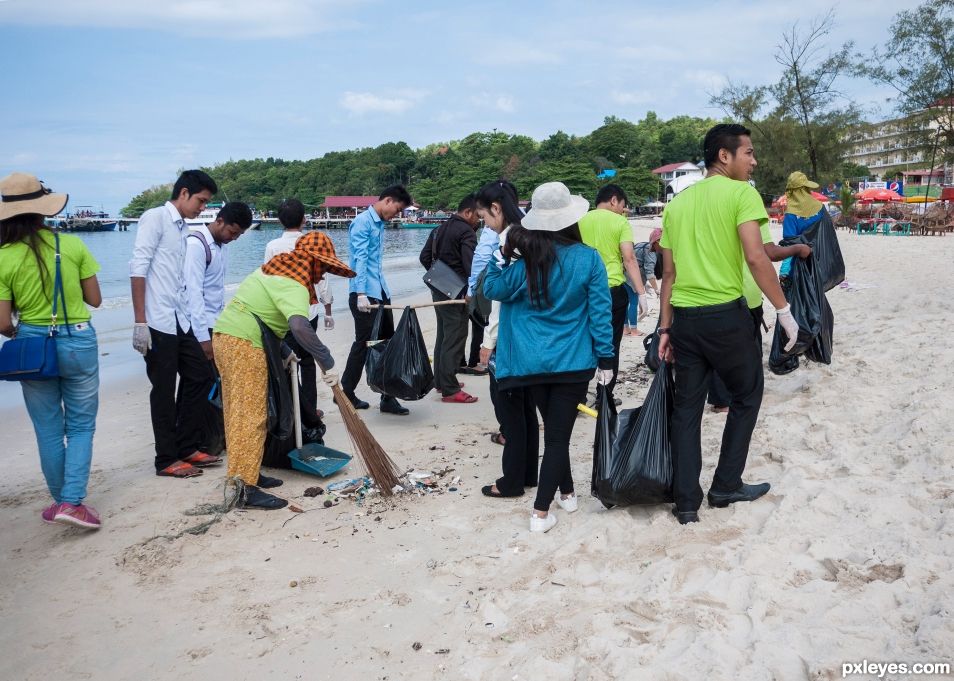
(555, 329)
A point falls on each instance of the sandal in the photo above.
(488, 491)
(498, 439)
(180, 469)
(202, 459)
(460, 397)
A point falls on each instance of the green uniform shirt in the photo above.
(274, 299)
(751, 290)
(605, 230)
(31, 291)
(700, 227)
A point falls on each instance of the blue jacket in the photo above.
(571, 336)
(366, 250)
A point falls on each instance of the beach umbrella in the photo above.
(880, 195)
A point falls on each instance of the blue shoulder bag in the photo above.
(34, 359)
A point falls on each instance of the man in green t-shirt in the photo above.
(608, 231)
(709, 231)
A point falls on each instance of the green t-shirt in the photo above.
(274, 299)
(605, 230)
(31, 291)
(751, 290)
(700, 227)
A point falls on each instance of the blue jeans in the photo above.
(632, 312)
(63, 411)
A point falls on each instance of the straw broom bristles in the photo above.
(381, 468)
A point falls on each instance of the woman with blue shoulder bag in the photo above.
(48, 279)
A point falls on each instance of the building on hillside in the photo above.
(677, 176)
(346, 206)
(895, 144)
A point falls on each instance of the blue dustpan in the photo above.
(311, 458)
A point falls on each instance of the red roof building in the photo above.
(348, 201)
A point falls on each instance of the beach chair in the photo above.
(866, 227)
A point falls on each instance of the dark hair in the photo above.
(469, 202)
(610, 192)
(26, 228)
(505, 194)
(536, 249)
(193, 181)
(236, 213)
(723, 136)
(398, 193)
(291, 213)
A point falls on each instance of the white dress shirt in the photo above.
(159, 258)
(205, 284)
(286, 244)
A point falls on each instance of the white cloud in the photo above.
(633, 98)
(504, 103)
(493, 100)
(368, 102)
(238, 19)
(512, 53)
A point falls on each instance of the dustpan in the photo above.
(312, 458)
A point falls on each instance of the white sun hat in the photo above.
(553, 208)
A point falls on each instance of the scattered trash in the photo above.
(295, 509)
(442, 651)
(855, 286)
(293, 584)
(451, 489)
(416, 645)
(345, 487)
(329, 503)
(314, 491)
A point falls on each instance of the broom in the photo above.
(379, 465)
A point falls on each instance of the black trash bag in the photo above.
(820, 350)
(651, 345)
(281, 420)
(276, 450)
(804, 293)
(632, 458)
(826, 253)
(479, 306)
(780, 363)
(402, 368)
(373, 366)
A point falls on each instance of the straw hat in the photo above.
(21, 194)
(553, 208)
(797, 180)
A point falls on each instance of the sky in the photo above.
(104, 98)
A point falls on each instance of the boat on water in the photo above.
(207, 217)
(84, 220)
(420, 225)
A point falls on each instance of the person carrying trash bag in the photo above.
(278, 296)
(555, 329)
(705, 325)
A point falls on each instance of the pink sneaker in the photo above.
(78, 516)
(49, 513)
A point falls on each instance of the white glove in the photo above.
(330, 379)
(789, 325)
(604, 376)
(364, 305)
(499, 259)
(643, 307)
(142, 339)
(329, 322)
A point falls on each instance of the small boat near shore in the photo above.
(207, 217)
(84, 220)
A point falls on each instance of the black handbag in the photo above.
(34, 359)
(441, 277)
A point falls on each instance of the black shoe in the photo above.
(256, 498)
(265, 482)
(356, 401)
(744, 493)
(685, 517)
(389, 405)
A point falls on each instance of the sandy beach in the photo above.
(849, 557)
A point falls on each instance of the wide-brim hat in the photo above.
(553, 208)
(22, 194)
(319, 246)
(797, 180)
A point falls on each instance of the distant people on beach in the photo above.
(555, 329)
(163, 332)
(710, 231)
(63, 409)
(369, 289)
(453, 244)
(650, 271)
(291, 215)
(275, 299)
(606, 229)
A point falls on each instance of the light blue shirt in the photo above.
(488, 243)
(366, 255)
(205, 283)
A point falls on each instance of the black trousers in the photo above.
(517, 417)
(177, 420)
(620, 301)
(449, 344)
(476, 338)
(363, 323)
(308, 380)
(212, 437)
(717, 337)
(718, 394)
(557, 404)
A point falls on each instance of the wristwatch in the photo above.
(662, 330)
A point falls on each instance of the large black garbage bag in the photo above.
(820, 350)
(826, 252)
(632, 459)
(651, 345)
(780, 363)
(804, 293)
(276, 450)
(401, 368)
(376, 347)
(281, 420)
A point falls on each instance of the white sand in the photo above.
(848, 558)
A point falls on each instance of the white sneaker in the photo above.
(538, 524)
(569, 504)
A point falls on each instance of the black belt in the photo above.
(709, 309)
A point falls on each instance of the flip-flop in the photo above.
(180, 469)
(498, 439)
(488, 491)
(460, 397)
(201, 459)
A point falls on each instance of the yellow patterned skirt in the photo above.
(244, 401)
